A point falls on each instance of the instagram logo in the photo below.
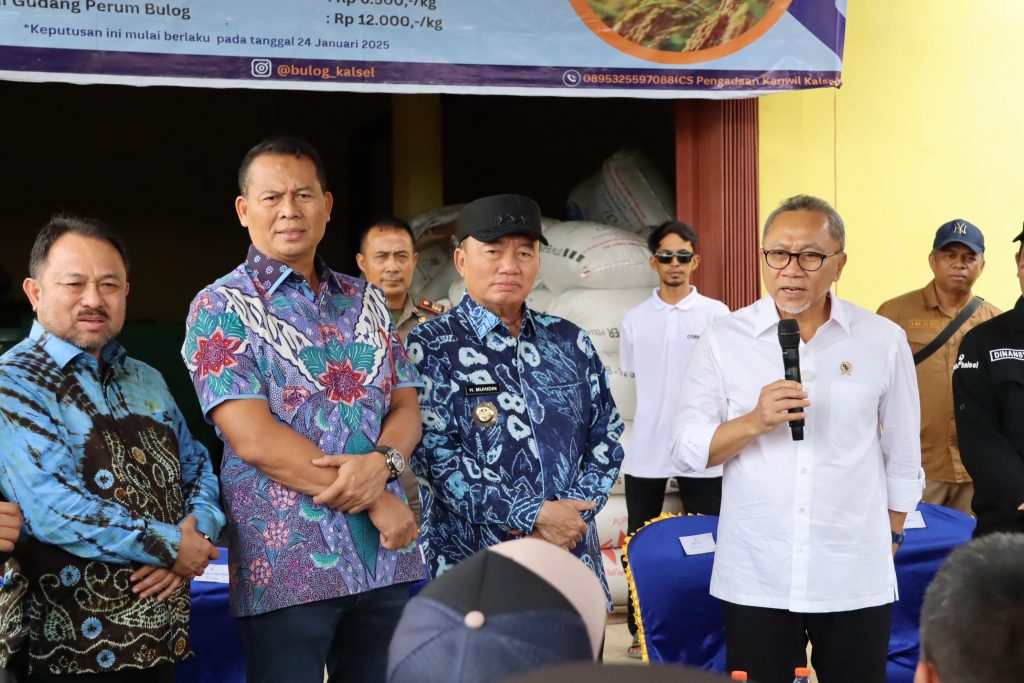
(261, 68)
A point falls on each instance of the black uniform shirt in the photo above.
(988, 393)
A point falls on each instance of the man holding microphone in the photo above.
(808, 527)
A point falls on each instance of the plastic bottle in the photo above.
(739, 675)
(801, 674)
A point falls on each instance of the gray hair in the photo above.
(971, 628)
(805, 202)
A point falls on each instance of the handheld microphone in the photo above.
(789, 339)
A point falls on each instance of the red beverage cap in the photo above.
(739, 675)
(801, 671)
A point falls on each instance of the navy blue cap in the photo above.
(508, 609)
(959, 230)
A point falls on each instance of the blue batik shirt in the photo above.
(326, 362)
(101, 462)
(508, 423)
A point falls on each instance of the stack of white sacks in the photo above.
(592, 274)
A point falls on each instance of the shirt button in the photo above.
(803, 470)
(799, 549)
(802, 510)
(807, 376)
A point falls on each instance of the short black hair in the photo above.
(284, 146)
(971, 627)
(684, 230)
(61, 224)
(387, 223)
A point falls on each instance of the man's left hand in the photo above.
(150, 581)
(360, 482)
(394, 521)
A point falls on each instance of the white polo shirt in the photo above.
(655, 344)
(804, 524)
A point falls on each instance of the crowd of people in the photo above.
(373, 439)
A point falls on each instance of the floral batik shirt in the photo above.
(101, 462)
(508, 423)
(326, 362)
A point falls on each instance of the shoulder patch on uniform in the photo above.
(431, 306)
(1006, 354)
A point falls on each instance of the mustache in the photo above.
(93, 312)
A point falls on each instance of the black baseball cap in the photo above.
(490, 218)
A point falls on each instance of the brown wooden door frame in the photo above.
(716, 192)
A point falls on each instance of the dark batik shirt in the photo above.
(509, 423)
(326, 362)
(104, 468)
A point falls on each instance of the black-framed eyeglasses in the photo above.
(665, 257)
(807, 260)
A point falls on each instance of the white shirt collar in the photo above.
(683, 304)
(767, 314)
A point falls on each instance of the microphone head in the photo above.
(789, 333)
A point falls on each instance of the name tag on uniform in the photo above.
(482, 389)
(699, 544)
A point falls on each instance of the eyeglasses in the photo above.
(807, 260)
(665, 257)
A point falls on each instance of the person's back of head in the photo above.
(972, 620)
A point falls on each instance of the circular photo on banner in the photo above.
(680, 31)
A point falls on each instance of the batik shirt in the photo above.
(508, 423)
(104, 469)
(326, 362)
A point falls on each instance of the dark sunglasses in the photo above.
(665, 257)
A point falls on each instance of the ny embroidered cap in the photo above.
(508, 609)
(959, 230)
(489, 218)
(617, 673)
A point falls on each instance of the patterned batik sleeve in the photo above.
(404, 372)
(442, 461)
(600, 461)
(40, 475)
(200, 489)
(218, 355)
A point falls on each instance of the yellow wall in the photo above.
(928, 126)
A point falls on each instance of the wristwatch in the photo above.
(898, 537)
(394, 459)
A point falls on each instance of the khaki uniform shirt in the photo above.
(416, 312)
(920, 316)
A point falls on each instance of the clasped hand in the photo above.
(559, 522)
(360, 481)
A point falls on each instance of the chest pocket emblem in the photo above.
(485, 414)
(846, 367)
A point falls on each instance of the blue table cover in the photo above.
(214, 636)
(682, 622)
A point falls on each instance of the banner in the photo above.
(573, 48)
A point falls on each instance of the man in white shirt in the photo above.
(657, 338)
(808, 528)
